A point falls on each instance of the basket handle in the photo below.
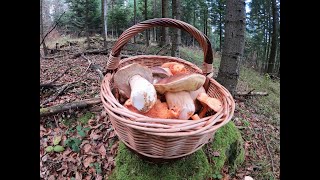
(114, 59)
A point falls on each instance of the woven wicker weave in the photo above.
(164, 138)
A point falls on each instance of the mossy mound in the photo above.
(130, 166)
(228, 142)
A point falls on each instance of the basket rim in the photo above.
(166, 127)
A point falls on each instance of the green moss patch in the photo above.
(85, 118)
(130, 166)
(229, 143)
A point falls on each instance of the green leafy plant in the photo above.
(97, 167)
(56, 147)
(217, 175)
(82, 131)
(73, 143)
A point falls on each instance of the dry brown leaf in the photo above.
(78, 176)
(86, 148)
(51, 177)
(102, 150)
(87, 177)
(215, 153)
(98, 177)
(42, 128)
(94, 136)
(64, 172)
(87, 161)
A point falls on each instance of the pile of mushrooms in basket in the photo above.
(168, 91)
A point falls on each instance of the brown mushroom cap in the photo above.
(180, 82)
(123, 75)
(160, 72)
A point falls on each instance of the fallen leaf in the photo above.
(87, 161)
(215, 154)
(94, 136)
(102, 151)
(86, 148)
(51, 177)
(98, 177)
(56, 140)
(64, 172)
(42, 128)
(78, 176)
(88, 177)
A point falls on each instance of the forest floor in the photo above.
(90, 144)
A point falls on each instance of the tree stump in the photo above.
(227, 142)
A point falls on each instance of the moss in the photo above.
(228, 142)
(85, 118)
(130, 166)
(43, 110)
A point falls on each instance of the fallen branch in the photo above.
(272, 165)
(49, 84)
(251, 93)
(52, 28)
(52, 57)
(59, 92)
(97, 51)
(94, 67)
(63, 107)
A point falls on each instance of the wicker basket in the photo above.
(156, 138)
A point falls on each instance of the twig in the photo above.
(52, 28)
(162, 48)
(49, 84)
(95, 67)
(264, 137)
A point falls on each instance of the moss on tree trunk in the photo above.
(228, 142)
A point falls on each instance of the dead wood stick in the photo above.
(59, 92)
(66, 106)
(52, 57)
(49, 84)
(94, 67)
(250, 93)
(52, 28)
(265, 140)
(97, 51)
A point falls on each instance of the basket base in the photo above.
(154, 160)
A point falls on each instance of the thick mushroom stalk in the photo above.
(135, 82)
(194, 95)
(143, 94)
(181, 102)
(208, 102)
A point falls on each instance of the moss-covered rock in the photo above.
(130, 166)
(229, 143)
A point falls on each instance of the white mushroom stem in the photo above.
(181, 102)
(143, 93)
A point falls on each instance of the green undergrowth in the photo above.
(269, 105)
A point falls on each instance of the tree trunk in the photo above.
(87, 23)
(154, 16)
(272, 57)
(233, 45)
(146, 17)
(164, 30)
(176, 38)
(194, 23)
(220, 26)
(134, 17)
(104, 8)
(112, 23)
(45, 49)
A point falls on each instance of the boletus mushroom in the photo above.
(180, 82)
(208, 102)
(135, 81)
(175, 68)
(180, 102)
(194, 95)
(160, 73)
(159, 110)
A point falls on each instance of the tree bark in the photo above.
(194, 23)
(273, 49)
(164, 30)
(220, 26)
(45, 50)
(134, 17)
(87, 23)
(176, 37)
(154, 34)
(146, 17)
(233, 45)
(104, 8)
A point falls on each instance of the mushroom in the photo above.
(180, 82)
(175, 68)
(208, 102)
(160, 73)
(159, 110)
(181, 102)
(135, 82)
(195, 117)
(194, 95)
